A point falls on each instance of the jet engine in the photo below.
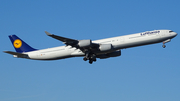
(84, 43)
(105, 47)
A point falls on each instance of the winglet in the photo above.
(47, 33)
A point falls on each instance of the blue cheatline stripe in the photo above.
(21, 45)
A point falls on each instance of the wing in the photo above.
(80, 44)
(67, 41)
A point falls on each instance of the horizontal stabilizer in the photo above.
(21, 55)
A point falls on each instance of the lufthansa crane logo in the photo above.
(17, 43)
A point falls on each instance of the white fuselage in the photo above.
(121, 42)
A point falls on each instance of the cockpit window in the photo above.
(170, 31)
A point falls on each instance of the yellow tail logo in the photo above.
(17, 43)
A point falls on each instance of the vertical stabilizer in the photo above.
(19, 45)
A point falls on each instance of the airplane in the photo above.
(90, 50)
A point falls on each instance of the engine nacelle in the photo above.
(108, 55)
(105, 47)
(84, 43)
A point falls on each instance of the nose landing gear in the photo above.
(166, 41)
(164, 46)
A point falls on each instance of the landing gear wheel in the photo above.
(93, 57)
(90, 61)
(85, 59)
(94, 60)
(164, 46)
(89, 56)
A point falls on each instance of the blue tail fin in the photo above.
(19, 45)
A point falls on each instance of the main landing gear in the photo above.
(91, 57)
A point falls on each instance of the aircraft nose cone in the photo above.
(175, 34)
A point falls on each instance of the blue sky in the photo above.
(146, 73)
